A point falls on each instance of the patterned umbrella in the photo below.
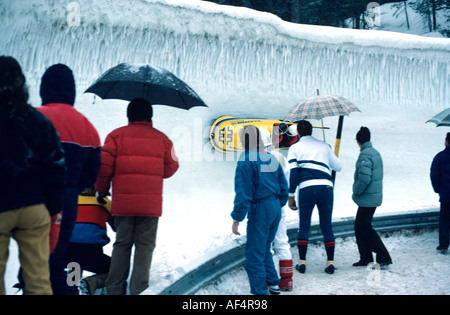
(318, 107)
(441, 119)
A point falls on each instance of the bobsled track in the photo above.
(210, 271)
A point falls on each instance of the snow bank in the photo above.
(231, 51)
(200, 18)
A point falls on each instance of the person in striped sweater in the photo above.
(311, 162)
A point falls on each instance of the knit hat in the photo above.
(139, 109)
(363, 135)
(58, 85)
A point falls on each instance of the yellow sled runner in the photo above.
(224, 133)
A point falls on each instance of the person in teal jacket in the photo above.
(368, 195)
(261, 191)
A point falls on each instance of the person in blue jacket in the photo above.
(440, 179)
(261, 191)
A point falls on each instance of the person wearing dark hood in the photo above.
(32, 174)
(81, 144)
(440, 179)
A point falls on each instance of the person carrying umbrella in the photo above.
(440, 179)
(311, 162)
(135, 160)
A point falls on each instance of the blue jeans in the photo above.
(444, 224)
(262, 226)
(308, 197)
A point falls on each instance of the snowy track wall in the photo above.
(223, 263)
(224, 53)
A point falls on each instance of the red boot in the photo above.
(286, 273)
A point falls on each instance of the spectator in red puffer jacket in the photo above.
(135, 159)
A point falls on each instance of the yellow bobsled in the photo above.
(224, 133)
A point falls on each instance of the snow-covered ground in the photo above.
(417, 269)
(250, 65)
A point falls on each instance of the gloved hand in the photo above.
(100, 197)
(292, 204)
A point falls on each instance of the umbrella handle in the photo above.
(338, 135)
(323, 130)
(338, 141)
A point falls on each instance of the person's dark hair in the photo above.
(139, 109)
(13, 89)
(363, 135)
(448, 137)
(304, 128)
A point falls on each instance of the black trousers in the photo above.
(444, 224)
(90, 257)
(367, 238)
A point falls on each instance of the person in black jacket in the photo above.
(440, 179)
(32, 174)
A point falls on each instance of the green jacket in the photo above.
(368, 179)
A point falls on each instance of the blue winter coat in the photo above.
(440, 174)
(368, 178)
(258, 176)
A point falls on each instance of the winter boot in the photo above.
(286, 273)
(301, 266)
(84, 288)
(330, 268)
(274, 289)
(89, 285)
(442, 249)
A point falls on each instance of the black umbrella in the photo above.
(158, 86)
